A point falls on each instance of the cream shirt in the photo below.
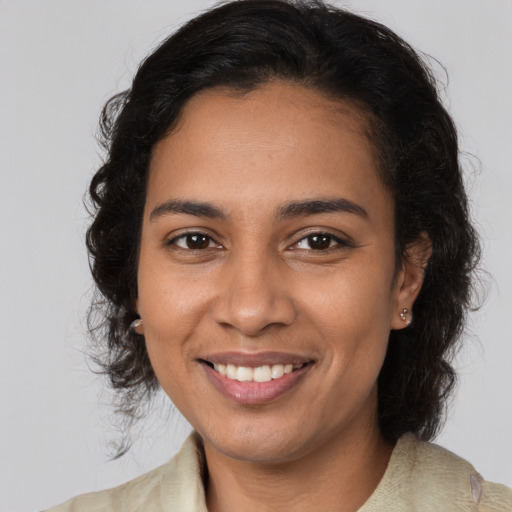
(420, 477)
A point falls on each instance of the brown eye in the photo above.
(319, 242)
(197, 241)
(193, 241)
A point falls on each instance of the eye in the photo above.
(320, 242)
(193, 241)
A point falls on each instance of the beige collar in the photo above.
(420, 476)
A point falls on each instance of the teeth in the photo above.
(260, 374)
(277, 371)
(231, 371)
(244, 374)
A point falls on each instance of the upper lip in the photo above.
(254, 360)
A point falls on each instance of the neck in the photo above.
(338, 476)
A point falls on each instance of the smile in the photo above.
(255, 379)
(264, 373)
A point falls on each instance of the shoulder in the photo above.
(140, 492)
(442, 473)
(176, 485)
(425, 476)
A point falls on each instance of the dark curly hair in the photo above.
(242, 45)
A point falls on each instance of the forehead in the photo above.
(271, 107)
(279, 142)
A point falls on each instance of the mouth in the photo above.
(265, 373)
(255, 379)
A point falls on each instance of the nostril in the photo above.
(251, 314)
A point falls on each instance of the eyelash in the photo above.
(185, 236)
(339, 242)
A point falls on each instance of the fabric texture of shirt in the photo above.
(420, 477)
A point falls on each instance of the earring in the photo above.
(137, 326)
(403, 316)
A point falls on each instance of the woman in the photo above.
(282, 241)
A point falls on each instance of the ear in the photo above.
(409, 280)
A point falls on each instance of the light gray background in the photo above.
(59, 62)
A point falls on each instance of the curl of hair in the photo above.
(242, 45)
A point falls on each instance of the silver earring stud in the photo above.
(137, 326)
(406, 316)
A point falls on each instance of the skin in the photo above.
(259, 284)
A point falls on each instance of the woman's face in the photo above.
(267, 253)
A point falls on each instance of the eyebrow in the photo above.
(317, 206)
(287, 211)
(197, 208)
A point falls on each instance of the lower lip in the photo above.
(255, 393)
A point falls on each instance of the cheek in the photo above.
(352, 311)
(170, 308)
(170, 301)
(169, 319)
(356, 297)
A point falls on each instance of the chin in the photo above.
(258, 450)
(266, 443)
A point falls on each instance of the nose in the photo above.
(253, 297)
